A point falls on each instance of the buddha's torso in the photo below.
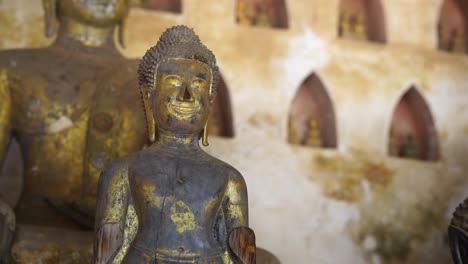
(178, 201)
(51, 91)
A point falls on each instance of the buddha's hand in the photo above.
(242, 244)
(7, 229)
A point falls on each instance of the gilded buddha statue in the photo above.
(172, 202)
(59, 103)
(52, 103)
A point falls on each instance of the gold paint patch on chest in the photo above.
(150, 194)
(182, 217)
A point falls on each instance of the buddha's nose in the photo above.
(185, 94)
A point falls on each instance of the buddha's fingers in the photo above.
(108, 241)
(242, 244)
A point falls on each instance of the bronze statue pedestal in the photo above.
(35, 244)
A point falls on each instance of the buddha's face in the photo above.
(95, 12)
(182, 100)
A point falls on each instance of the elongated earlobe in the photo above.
(50, 17)
(145, 96)
(205, 135)
(205, 129)
(120, 33)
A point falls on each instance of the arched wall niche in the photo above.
(452, 28)
(220, 122)
(362, 20)
(266, 13)
(173, 6)
(412, 131)
(311, 116)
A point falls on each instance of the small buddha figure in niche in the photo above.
(359, 30)
(244, 13)
(409, 148)
(313, 135)
(403, 144)
(352, 26)
(172, 202)
(66, 104)
(458, 234)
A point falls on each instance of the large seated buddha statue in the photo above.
(66, 105)
(173, 202)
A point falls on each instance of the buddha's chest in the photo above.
(179, 188)
(44, 104)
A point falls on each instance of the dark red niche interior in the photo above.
(268, 13)
(412, 132)
(362, 20)
(220, 121)
(312, 104)
(452, 34)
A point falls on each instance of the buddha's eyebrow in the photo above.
(165, 71)
(201, 76)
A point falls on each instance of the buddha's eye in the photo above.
(173, 80)
(197, 83)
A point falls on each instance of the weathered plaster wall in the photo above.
(353, 204)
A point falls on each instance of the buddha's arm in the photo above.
(111, 211)
(5, 113)
(241, 239)
(235, 203)
(117, 128)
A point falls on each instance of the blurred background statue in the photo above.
(65, 105)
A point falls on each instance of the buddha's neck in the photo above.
(184, 143)
(85, 35)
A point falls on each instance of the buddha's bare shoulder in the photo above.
(227, 169)
(115, 172)
(117, 165)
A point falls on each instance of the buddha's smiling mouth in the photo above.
(184, 108)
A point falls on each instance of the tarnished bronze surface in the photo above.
(458, 234)
(71, 107)
(7, 228)
(172, 202)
